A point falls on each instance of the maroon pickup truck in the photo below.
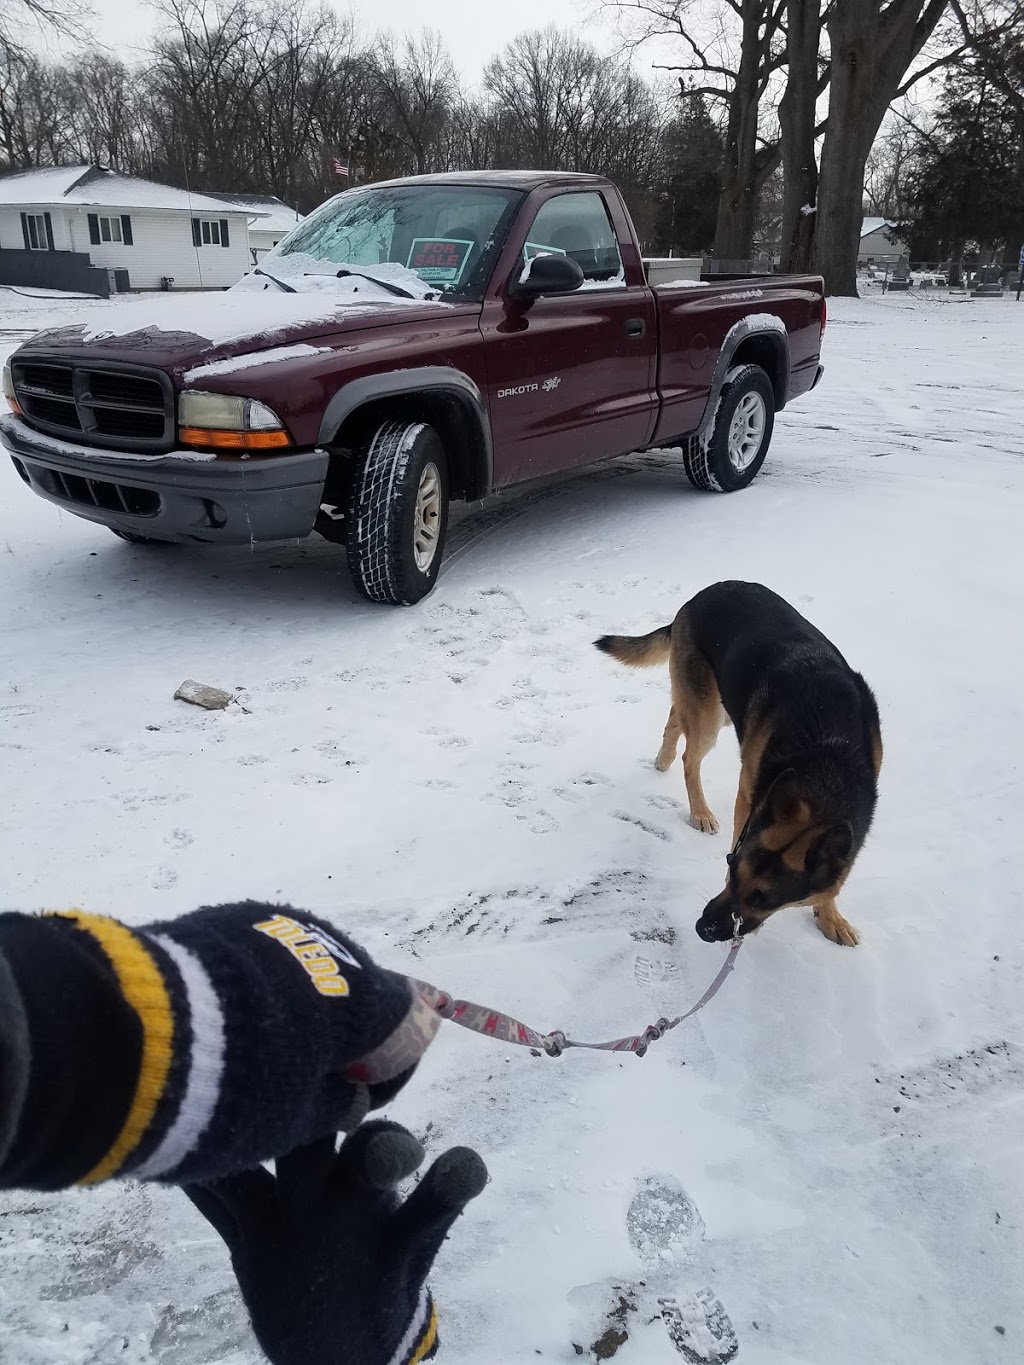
(410, 342)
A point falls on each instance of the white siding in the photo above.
(262, 242)
(162, 245)
(880, 245)
(12, 237)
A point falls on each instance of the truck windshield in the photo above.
(448, 235)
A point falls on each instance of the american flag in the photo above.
(339, 167)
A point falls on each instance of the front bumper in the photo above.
(182, 496)
(817, 378)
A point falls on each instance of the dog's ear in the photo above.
(829, 856)
(782, 800)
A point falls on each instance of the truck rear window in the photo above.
(449, 235)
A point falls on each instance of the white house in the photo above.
(275, 222)
(878, 244)
(149, 233)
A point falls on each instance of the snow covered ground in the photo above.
(468, 788)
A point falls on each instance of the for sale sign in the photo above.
(439, 260)
(532, 249)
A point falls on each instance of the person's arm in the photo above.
(193, 1049)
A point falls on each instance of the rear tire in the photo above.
(398, 513)
(730, 455)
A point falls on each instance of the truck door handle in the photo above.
(635, 327)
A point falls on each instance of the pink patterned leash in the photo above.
(495, 1024)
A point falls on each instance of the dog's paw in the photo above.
(704, 821)
(836, 929)
(664, 761)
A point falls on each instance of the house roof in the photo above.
(100, 188)
(870, 225)
(279, 216)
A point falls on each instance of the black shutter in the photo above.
(224, 232)
(94, 229)
(126, 230)
(24, 231)
(197, 239)
(49, 232)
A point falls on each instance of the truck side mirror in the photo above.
(546, 275)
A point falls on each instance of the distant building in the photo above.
(878, 243)
(275, 222)
(84, 227)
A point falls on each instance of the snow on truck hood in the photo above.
(194, 327)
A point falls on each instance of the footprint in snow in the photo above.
(650, 974)
(665, 1227)
(699, 1328)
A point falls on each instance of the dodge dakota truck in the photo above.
(410, 342)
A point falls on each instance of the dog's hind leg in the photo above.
(669, 741)
(698, 712)
(832, 924)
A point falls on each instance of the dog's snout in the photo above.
(709, 930)
(716, 923)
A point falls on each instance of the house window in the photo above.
(111, 229)
(210, 232)
(35, 227)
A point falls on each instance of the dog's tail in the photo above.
(637, 651)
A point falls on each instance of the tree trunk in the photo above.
(956, 263)
(872, 48)
(797, 121)
(737, 205)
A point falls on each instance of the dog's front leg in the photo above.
(833, 925)
(701, 815)
(741, 813)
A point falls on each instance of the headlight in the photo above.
(9, 388)
(217, 421)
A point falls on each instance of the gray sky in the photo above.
(474, 31)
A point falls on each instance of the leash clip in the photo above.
(737, 925)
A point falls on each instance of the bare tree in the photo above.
(873, 46)
(554, 102)
(890, 168)
(18, 17)
(419, 86)
(22, 116)
(731, 54)
(806, 82)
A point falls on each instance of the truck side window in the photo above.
(578, 225)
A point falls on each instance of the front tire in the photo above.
(729, 457)
(398, 513)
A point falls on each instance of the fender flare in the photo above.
(436, 379)
(757, 324)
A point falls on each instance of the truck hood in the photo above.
(179, 333)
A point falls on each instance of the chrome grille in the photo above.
(114, 406)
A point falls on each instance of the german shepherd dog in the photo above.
(810, 749)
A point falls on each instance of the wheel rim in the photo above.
(428, 517)
(746, 431)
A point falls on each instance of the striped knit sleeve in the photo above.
(192, 1049)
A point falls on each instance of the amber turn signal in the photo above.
(212, 438)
